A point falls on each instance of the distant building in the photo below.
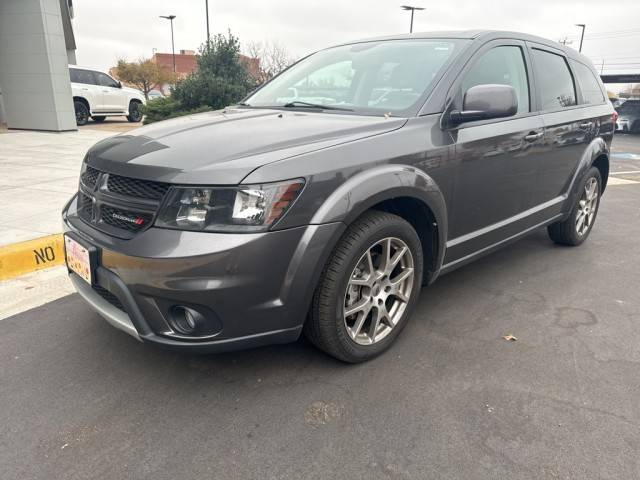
(37, 45)
(186, 62)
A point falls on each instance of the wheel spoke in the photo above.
(386, 256)
(395, 259)
(403, 275)
(363, 305)
(355, 330)
(580, 223)
(375, 321)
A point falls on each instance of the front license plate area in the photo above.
(81, 258)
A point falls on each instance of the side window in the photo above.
(589, 84)
(501, 66)
(554, 80)
(81, 76)
(105, 80)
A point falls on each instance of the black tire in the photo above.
(135, 114)
(98, 118)
(325, 327)
(566, 232)
(82, 113)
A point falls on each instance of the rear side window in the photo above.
(501, 66)
(555, 82)
(81, 76)
(589, 85)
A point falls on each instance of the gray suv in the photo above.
(326, 199)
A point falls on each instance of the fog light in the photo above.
(188, 321)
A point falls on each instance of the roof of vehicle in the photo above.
(484, 35)
(82, 67)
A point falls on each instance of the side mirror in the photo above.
(119, 84)
(484, 102)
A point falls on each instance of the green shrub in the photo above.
(220, 80)
(167, 107)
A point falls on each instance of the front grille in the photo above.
(125, 220)
(85, 205)
(90, 176)
(117, 205)
(109, 297)
(134, 187)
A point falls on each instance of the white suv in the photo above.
(98, 95)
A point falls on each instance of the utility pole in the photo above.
(583, 26)
(412, 9)
(173, 49)
(206, 5)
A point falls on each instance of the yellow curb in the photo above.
(25, 257)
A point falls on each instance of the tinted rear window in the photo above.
(81, 76)
(589, 84)
(555, 82)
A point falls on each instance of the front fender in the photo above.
(366, 189)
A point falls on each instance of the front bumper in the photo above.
(255, 288)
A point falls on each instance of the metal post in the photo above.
(582, 35)
(173, 48)
(413, 9)
(206, 3)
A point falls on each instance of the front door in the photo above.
(496, 160)
(112, 97)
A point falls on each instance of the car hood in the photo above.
(132, 90)
(223, 147)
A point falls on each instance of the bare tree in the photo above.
(272, 57)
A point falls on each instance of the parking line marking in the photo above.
(624, 173)
(19, 258)
(620, 181)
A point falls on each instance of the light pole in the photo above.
(173, 49)
(413, 9)
(206, 5)
(581, 36)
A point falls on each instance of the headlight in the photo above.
(243, 208)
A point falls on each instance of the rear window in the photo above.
(589, 84)
(630, 106)
(554, 79)
(81, 76)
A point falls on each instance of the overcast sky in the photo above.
(110, 29)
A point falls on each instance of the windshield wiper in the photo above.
(298, 103)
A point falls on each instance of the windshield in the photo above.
(384, 77)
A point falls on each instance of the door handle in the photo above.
(532, 137)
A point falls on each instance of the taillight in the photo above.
(615, 116)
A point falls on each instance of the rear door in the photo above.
(84, 84)
(569, 127)
(496, 159)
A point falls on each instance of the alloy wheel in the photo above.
(587, 206)
(378, 291)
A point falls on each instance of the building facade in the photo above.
(37, 45)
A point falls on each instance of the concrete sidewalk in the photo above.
(39, 174)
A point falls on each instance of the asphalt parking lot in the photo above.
(451, 400)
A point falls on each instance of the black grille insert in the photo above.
(134, 187)
(85, 205)
(125, 220)
(90, 176)
(109, 297)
